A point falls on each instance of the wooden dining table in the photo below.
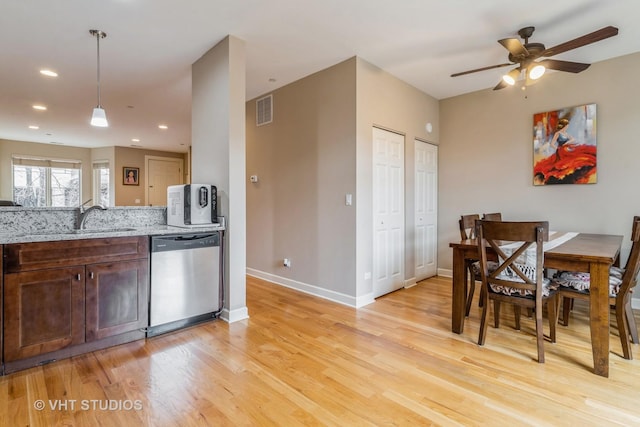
(592, 253)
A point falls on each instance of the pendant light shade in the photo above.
(99, 116)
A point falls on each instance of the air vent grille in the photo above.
(264, 110)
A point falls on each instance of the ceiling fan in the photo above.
(525, 56)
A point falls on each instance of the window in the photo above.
(101, 182)
(45, 182)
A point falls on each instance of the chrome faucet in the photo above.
(82, 213)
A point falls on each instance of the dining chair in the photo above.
(621, 283)
(496, 216)
(518, 278)
(467, 225)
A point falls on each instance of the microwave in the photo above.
(192, 205)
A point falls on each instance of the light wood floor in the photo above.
(301, 360)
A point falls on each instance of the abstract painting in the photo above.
(564, 146)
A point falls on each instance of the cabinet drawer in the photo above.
(39, 255)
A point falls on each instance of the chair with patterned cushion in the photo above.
(467, 225)
(621, 283)
(518, 278)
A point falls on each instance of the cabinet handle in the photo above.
(91, 275)
(78, 276)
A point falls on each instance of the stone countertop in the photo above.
(96, 233)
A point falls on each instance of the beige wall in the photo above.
(387, 102)
(317, 150)
(219, 155)
(118, 156)
(9, 148)
(126, 195)
(305, 163)
(486, 154)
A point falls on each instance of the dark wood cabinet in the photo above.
(67, 297)
(116, 298)
(43, 311)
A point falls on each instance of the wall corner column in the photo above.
(219, 153)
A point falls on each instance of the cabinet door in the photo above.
(43, 311)
(117, 298)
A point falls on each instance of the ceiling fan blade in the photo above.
(598, 35)
(514, 46)
(481, 69)
(568, 66)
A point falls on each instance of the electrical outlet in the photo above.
(287, 262)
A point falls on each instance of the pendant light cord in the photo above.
(98, 34)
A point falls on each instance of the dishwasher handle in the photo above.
(184, 242)
(192, 237)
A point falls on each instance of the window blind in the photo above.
(47, 163)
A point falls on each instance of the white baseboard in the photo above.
(338, 297)
(234, 315)
(443, 272)
(408, 283)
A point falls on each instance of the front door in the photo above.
(161, 173)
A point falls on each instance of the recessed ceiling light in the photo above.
(39, 107)
(49, 73)
(163, 126)
(34, 127)
(135, 140)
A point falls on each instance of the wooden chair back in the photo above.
(632, 268)
(511, 271)
(468, 226)
(496, 216)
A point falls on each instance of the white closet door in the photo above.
(388, 211)
(426, 214)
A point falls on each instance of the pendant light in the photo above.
(99, 117)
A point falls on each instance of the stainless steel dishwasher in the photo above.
(186, 280)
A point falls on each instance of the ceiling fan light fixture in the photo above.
(99, 116)
(511, 78)
(536, 72)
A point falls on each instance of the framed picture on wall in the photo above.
(130, 176)
(564, 146)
